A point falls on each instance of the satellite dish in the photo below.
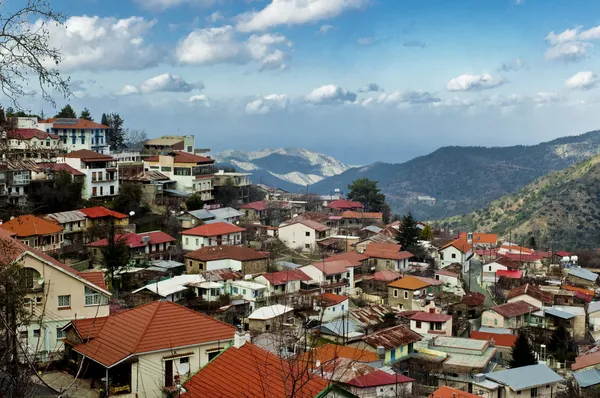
(40, 280)
(12, 217)
(132, 213)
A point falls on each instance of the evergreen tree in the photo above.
(194, 202)
(129, 198)
(104, 119)
(560, 344)
(532, 243)
(116, 254)
(426, 233)
(366, 192)
(115, 135)
(409, 232)
(85, 114)
(227, 194)
(66, 112)
(522, 352)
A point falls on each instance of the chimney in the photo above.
(247, 337)
(239, 339)
(317, 364)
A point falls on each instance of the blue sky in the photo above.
(362, 80)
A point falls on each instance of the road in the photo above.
(474, 273)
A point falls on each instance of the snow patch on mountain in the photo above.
(299, 178)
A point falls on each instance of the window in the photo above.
(307, 233)
(332, 309)
(165, 168)
(187, 241)
(60, 334)
(112, 189)
(405, 295)
(36, 333)
(94, 191)
(395, 292)
(307, 246)
(534, 392)
(453, 255)
(92, 297)
(213, 354)
(197, 241)
(438, 326)
(495, 321)
(64, 301)
(23, 335)
(418, 324)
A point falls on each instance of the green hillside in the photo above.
(560, 209)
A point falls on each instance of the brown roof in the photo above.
(87, 156)
(430, 317)
(508, 263)
(215, 229)
(473, 298)
(516, 308)
(392, 338)
(386, 275)
(532, 291)
(28, 225)
(365, 215)
(282, 277)
(449, 392)
(410, 283)
(95, 277)
(333, 267)
(160, 325)
(239, 253)
(251, 372)
(184, 157)
(317, 226)
(88, 328)
(500, 339)
(332, 351)
(353, 258)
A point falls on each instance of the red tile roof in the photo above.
(343, 204)
(516, 308)
(387, 275)
(282, 277)
(136, 240)
(522, 257)
(80, 124)
(28, 225)
(239, 253)
(473, 299)
(431, 281)
(258, 206)
(56, 167)
(88, 328)
(500, 340)
(516, 248)
(333, 267)
(101, 211)
(586, 292)
(585, 361)
(89, 156)
(429, 317)
(215, 229)
(353, 258)
(507, 273)
(252, 372)
(364, 215)
(332, 351)
(533, 291)
(460, 244)
(410, 283)
(160, 325)
(184, 157)
(317, 226)
(329, 299)
(94, 277)
(448, 392)
(27, 134)
(378, 378)
(392, 338)
(563, 253)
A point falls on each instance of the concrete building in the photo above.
(431, 323)
(77, 134)
(303, 234)
(526, 381)
(237, 258)
(457, 251)
(332, 276)
(216, 234)
(330, 306)
(397, 342)
(407, 292)
(271, 318)
(510, 315)
(241, 181)
(170, 143)
(74, 224)
(102, 176)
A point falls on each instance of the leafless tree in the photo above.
(135, 138)
(27, 52)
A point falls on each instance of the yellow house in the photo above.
(397, 342)
(100, 215)
(56, 294)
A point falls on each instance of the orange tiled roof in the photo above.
(410, 283)
(481, 237)
(101, 211)
(28, 225)
(329, 299)
(578, 289)
(448, 392)
(353, 258)
(95, 277)
(386, 251)
(88, 328)
(215, 229)
(332, 351)
(460, 244)
(160, 325)
(252, 372)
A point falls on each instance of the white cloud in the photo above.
(571, 51)
(415, 43)
(582, 81)
(330, 94)
(162, 83)
(200, 99)
(161, 5)
(325, 28)
(410, 97)
(590, 34)
(294, 12)
(543, 99)
(365, 41)
(469, 82)
(567, 35)
(371, 87)
(267, 104)
(513, 66)
(215, 17)
(212, 46)
(95, 43)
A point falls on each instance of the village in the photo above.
(293, 294)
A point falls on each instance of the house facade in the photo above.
(101, 174)
(303, 235)
(77, 134)
(330, 306)
(74, 224)
(509, 316)
(333, 276)
(457, 251)
(406, 293)
(35, 232)
(237, 258)
(142, 247)
(215, 234)
(282, 282)
(431, 323)
(398, 342)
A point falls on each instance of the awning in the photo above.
(176, 192)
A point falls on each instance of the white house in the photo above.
(330, 306)
(216, 234)
(448, 277)
(457, 251)
(172, 289)
(250, 291)
(101, 174)
(303, 234)
(431, 323)
(489, 270)
(282, 282)
(77, 134)
(334, 276)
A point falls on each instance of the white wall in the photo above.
(294, 237)
(313, 272)
(192, 242)
(333, 311)
(451, 255)
(224, 264)
(450, 280)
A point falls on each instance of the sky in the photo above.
(361, 80)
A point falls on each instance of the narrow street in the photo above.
(472, 284)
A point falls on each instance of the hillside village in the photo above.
(289, 295)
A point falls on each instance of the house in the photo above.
(192, 173)
(512, 315)
(328, 352)
(342, 205)
(456, 251)
(101, 174)
(387, 256)
(503, 343)
(303, 234)
(582, 277)
(282, 282)
(353, 220)
(448, 392)
(270, 318)
(241, 181)
(55, 294)
(227, 214)
(330, 306)
(247, 290)
(142, 247)
(526, 381)
(406, 292)
(593, 316)
(550, 318)
(34, 144)
(480, 239)
(238, 258)
(342, 330)
(194, 218)
(217, 234)
(73, 223)
(36, 232)
(397, 342)
(170, 143)
(77, 134)
(170, 289)
(153, 184)
(335, 276)
(164, 345)
(448, 278)
(130, 164)
(587, 378)
(587, 361)
(431, 323)
(490, 269)
(382, 237)
(470, 306)
(100, 215)
(378, 282)
(245, 370)
(255, 210)
(532, 294)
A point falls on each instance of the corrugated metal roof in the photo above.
(202, 214)
(583, 274)
(67, 216)
(525, 377)
(226, 212)
(587, 378)
(558, 313)
(346, 327)
(593, 307)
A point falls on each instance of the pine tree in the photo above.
(66, 112)
(409, 232)
(104, 119)
(115, 134)
(85, 114)
(366, 192)
(522, 352)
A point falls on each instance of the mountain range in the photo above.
(560, 209)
